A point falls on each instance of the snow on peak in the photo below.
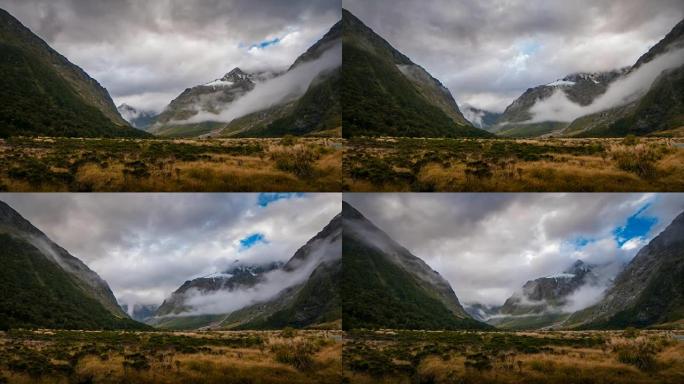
(561, 276)
(219, 83)
(561, 83)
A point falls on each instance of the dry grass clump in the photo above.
(639, 350)
(637, 158)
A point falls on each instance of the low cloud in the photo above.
(271, 92)
(274, 282)
(621, 92)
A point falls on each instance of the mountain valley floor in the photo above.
(629, 356)
(289, 164)
(285, 356)
(514, 165)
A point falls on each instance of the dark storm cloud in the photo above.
(489, 52)
(488, 245)
(146, 245)
(147, 52)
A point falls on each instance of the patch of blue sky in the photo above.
(637, 226)
(265, 43)
(252, 240)
(264, 199)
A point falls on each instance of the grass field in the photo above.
(540, 165)
(286, 356)
(69, 164)
(504, 357)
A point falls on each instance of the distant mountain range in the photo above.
(137, 118)
(385, 286)
(314, 302)
(658, 110)
(43, 286)
(384, 93)
(43, 93)
(480, 118)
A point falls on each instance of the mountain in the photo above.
(43, 93)
(384, 93)
(140, 312)
(649, 291)
(211, 97)
(137, 118)
(235, 278)
(480, 118)
(385, 286)
(580, 88)
(314, 112)
(540, 303)
(481, 312)
(317, 112)
(658, 109)
(46, 287)
(313, 302)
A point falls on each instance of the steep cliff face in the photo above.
(649, 291)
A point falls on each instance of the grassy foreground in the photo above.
(192, 165)
(539, 165)
(286, 356)
(504, 357)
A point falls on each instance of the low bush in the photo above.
(297, 354)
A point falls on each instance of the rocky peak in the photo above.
(236, 75)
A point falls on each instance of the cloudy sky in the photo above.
(488, 245)
(488, 52)
(147, 52)
(146, 245)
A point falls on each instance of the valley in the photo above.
(513, 165)
(120, 165)
(55, 356)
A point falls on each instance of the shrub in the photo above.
(630, 140)
(137, 361)
(298, 161)
(478, 361)
(288, 140)
(639, 159)
(299, 354)
(639, 352)
(288, 332)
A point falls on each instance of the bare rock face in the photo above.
(549, 293)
